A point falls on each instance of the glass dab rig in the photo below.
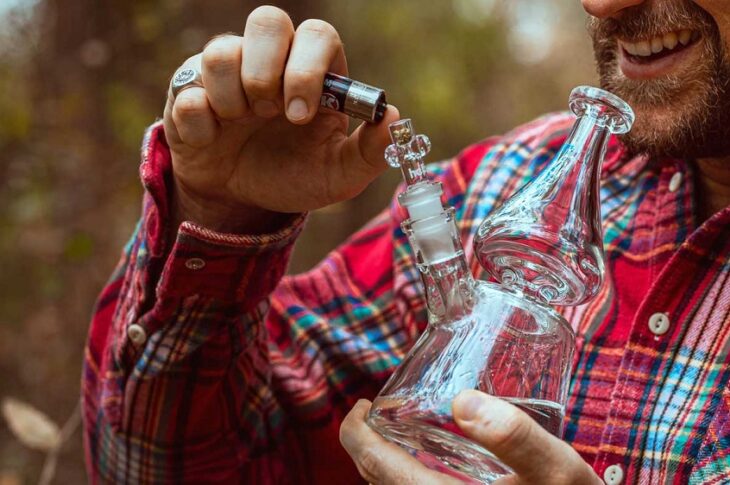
(542, 247)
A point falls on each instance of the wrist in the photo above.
(222, 216)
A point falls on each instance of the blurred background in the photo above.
(80, 80)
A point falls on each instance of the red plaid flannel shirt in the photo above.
(204, 363)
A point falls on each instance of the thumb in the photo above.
(508, 432)
(364, 148)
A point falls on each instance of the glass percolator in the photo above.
(542, 247)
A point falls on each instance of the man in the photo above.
(204, 364)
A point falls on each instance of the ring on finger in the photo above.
(185, 78)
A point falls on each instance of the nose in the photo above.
(608, 8)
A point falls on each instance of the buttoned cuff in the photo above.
(235, 269)
(238, 270)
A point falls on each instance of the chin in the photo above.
(688, 124)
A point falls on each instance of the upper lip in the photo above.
(654, 45)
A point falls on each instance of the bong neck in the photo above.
(449, 289)
(589, 138)
(583, 155)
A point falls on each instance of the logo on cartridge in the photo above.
(329, 100)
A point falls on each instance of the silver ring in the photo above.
(185, 78)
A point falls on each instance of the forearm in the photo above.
(228, 372)
(177, 365)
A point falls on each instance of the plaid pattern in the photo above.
(245, 375)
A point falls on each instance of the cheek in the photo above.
(720, 12)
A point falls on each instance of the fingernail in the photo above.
(265, 108)
(297, 109)
(468, 405)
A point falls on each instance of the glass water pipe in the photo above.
(543, 246)
(546, 240)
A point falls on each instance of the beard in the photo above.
(685, 114)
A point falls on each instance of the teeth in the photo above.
(684, 37)
(631, 48)
(655, 45)
(643, 48)
(670, 40)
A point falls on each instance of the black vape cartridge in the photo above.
(353, 98)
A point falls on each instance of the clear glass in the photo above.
(543, 246)
(546, 240)
(505, 345)
(407, 151)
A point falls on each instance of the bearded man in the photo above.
(205, 364)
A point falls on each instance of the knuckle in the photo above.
(512, 432)
(299, 77)
(270, 21)
(190, 60)
(370, 464)
(319, 28)
(222, 55)
(260, 86)
(188, 104)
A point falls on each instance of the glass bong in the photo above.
(542, 247)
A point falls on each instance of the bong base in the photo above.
(432, 442)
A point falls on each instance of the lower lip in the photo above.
(660, 67)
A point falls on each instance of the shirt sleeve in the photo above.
(205, 364)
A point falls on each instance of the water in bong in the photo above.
(507, 347)
(435, 438)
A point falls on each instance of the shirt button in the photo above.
(613, 475)
(195, 264)
(675, 181)
(136, 334)
(659, 323)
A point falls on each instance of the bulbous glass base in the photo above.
(437, 442)
(508, 346)
(568, 274)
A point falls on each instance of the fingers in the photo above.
(221, 60)
(365, 148)
(194, 121)
(379, 461)
(266, 40)
(258, 73)
(518, 441)
(317, 49)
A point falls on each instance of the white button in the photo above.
(675, 182)
(613, 475)
(659, 323)
(136, 334)
(195, 264)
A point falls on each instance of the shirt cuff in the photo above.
(235, 269)
(239, 270)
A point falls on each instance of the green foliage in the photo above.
(78, 247)
(14, 106)
(127, 113)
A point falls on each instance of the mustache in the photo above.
(647, 21)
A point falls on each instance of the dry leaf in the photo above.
(32, 428)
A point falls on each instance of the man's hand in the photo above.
(252, 142)
(536, 456)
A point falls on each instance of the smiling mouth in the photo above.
(646, 59)
(649, 50)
